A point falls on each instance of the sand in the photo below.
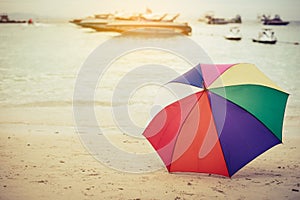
(42, 157)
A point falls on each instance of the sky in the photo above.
(248, 9)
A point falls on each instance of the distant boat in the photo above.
(276, 21)
(234, 34)
(266, 36)
(210, 19)
(4, 19)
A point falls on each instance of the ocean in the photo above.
(40, 64)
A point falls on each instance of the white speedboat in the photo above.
(266, 36)
(145, 23)
(234, 34)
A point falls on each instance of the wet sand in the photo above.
(42, 157)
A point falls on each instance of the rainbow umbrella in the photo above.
(235, 115)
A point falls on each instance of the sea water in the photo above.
(39, 64)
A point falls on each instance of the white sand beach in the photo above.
(42, 158)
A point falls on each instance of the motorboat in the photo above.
(210, 19)
(276, 21)
(4, 19)
(144, 22)
(266, 36)
(234, 34)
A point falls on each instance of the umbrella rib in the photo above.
(183, 123)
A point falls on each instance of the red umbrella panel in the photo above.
(236, 115)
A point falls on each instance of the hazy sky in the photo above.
(288, 9)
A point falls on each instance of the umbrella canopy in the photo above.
(236, 115)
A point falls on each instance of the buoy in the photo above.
(30, 21)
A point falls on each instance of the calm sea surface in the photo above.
(39, 64)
